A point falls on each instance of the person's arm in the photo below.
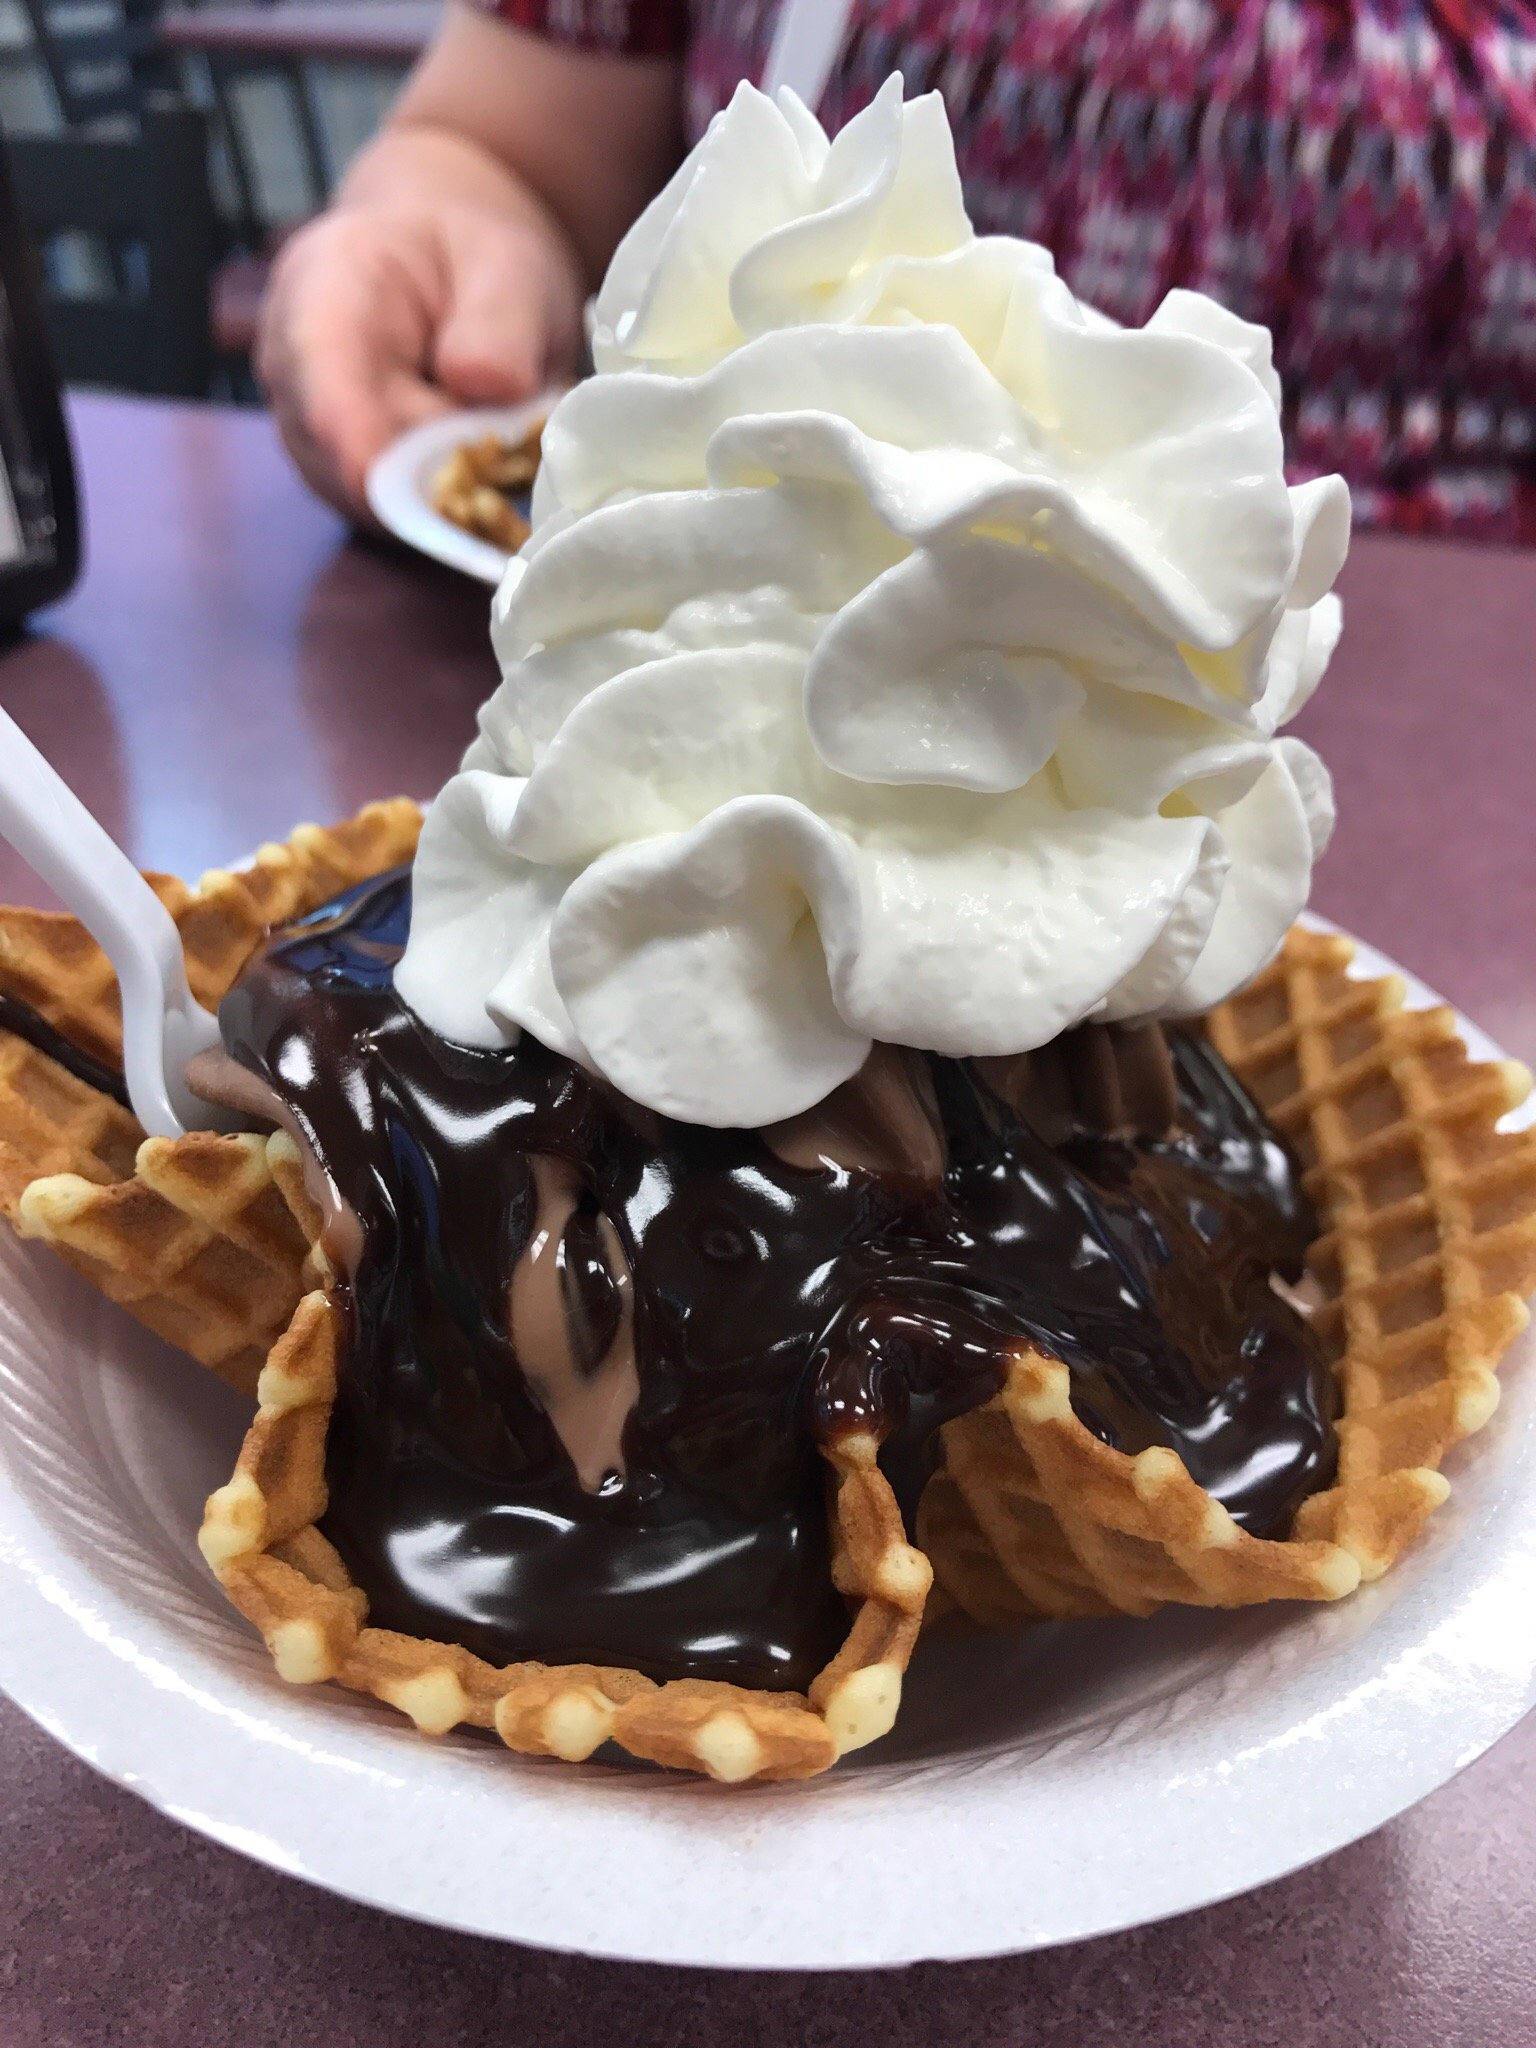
(452, 265)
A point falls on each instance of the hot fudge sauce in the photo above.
(590, 1351)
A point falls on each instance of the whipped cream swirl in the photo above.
(898, 654)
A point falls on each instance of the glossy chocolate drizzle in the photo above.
(590, 1351)
(27, 1023)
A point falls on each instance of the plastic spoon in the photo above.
(162, 1026)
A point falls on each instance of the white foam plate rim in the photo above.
(1041, 1789)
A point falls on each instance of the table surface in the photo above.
(380, 31)
(231, 664)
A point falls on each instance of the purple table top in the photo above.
(231, 665)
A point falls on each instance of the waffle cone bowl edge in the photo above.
(1427, 1249)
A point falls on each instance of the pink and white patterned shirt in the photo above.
(1360, 175)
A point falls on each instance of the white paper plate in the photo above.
(400, 483)
(1037, 1790)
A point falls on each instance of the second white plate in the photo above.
(400, 484)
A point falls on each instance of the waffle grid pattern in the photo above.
(192, 1236)
(1429, 1246)
(260, 1537)
(1428, 1249)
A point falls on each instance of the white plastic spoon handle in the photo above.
(162, 1026)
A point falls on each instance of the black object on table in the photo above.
(39, 523)
(146, 198)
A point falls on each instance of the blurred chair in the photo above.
(276, 80)
(102, 58)
(256, 97)
(145, 197)
(269, 85)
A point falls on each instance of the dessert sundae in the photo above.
(834, 1126)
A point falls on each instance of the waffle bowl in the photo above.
(259, 1536)
(1430, 1240)
(192, 1235)
(1427, 1251)
(1240, 1744)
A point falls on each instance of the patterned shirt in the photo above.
(1359, 175)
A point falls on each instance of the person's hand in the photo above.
(379, 316)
